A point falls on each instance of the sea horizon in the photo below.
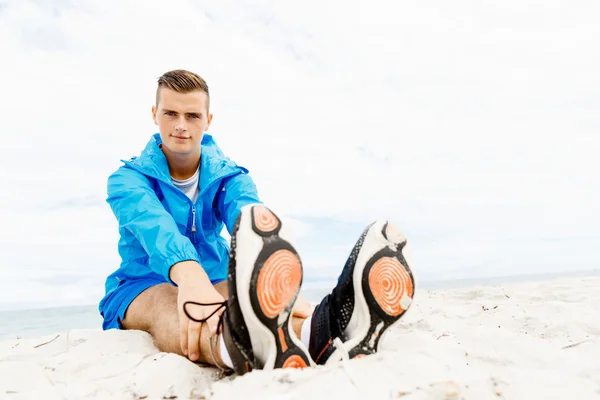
(33, 322)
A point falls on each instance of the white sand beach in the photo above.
(521, 341)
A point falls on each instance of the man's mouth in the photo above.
(180, 137)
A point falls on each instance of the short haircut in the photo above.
(182, 81)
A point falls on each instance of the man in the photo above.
(234, 306)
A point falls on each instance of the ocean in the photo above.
(39, 322)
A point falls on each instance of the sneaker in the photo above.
(265, 275)
(373, 292)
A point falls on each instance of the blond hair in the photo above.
(182, 81)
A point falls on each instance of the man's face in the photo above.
(182, 119)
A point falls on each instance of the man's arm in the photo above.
(237, 192)
(138, 210)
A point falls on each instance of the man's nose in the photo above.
(181, 124)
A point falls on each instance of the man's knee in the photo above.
(149, 305)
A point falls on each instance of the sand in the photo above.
(526, 341)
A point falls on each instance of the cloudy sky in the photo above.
(473, 126)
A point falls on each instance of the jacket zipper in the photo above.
(194, 219)
(179, 191)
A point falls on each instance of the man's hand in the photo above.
(194, 285)
(302, 308)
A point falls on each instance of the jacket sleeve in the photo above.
(237, 192)
(138, 210)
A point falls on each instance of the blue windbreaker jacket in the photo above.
(158, 224)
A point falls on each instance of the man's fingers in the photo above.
(183, 335)
(215, 321)
(213, 324)
(194, 340)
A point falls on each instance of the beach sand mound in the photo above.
(527, 341)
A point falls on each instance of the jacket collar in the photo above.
(213, 163)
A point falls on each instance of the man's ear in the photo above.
(154, 115)
(210, 117)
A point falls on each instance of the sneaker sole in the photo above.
(268, 278)
(383, 288)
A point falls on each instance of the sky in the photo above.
(472, 126)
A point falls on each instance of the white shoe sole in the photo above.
(383, 290)
(268, 279)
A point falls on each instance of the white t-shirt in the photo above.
(189, 186)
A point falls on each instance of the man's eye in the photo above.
(170, 113)
(194, 116)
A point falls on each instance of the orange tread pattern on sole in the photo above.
(264, 219)
(389, 281)
(294, 361)
(284, 346)
(277, 282)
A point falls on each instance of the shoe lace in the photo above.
(220, 324)
(340, 346)
(345, 358)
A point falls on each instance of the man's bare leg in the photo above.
(155, 311)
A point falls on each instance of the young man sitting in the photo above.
(233, 305)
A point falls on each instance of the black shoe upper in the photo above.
(331, 317)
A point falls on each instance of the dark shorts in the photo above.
(116, 304)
